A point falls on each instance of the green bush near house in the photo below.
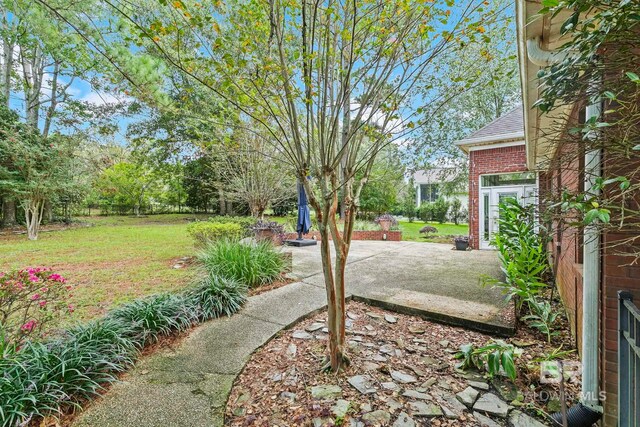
(251, 264)
(525, 264)
(206, 232)
(434, 211)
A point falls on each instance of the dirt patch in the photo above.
(402, 367)
(19, 230)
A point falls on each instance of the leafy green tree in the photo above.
(201, 184)
(128, 183)
(440, 210)
(380, 194)
(457, 213)
(476, 88)
(409, 200)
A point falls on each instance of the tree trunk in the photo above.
(47, 215)
(221, 202)
(8, 212)
(136, 210)
(33, 209)
(334, 284)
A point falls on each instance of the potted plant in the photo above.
(386, 221)
(268, 230)
(461, 242)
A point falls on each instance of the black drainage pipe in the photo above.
(578, 416)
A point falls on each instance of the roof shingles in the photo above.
(510, 123)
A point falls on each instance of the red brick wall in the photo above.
(490, 161)
(616, 274)
(565, 249)
(393, 236)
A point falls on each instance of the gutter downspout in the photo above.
(544, 58)
(591, 279)
(590, 410)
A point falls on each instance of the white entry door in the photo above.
(490, 199)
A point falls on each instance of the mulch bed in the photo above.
(403, 365)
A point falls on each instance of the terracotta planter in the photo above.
(385, 224)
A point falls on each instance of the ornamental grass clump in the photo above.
(215, 296)
(156, 315)
(252, 264)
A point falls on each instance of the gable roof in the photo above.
(507, 127)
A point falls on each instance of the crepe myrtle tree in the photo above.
(33, 169)
(331, 83)
(255, 173)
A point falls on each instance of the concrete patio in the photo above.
(417, 278)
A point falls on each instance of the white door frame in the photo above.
(488, 226)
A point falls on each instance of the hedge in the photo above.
(206, 232)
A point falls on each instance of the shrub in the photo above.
(439, 210)
(457, 213)
(243, 221)
(387, 217)
(29, 300)
(365, 226)
(252, 265)
(427, 229)
(207, 232)
(425, 211)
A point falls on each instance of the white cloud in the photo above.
(98, 98)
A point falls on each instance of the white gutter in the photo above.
(544, 58)
(591, 281)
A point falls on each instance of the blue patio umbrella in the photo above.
(304, 218)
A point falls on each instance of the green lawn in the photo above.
(114, 260)
(111, 260)
(411, 231)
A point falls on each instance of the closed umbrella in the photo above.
(304, 218)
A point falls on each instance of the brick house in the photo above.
(588, 272)
(497, 170)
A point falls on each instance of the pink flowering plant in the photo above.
(30, 299)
